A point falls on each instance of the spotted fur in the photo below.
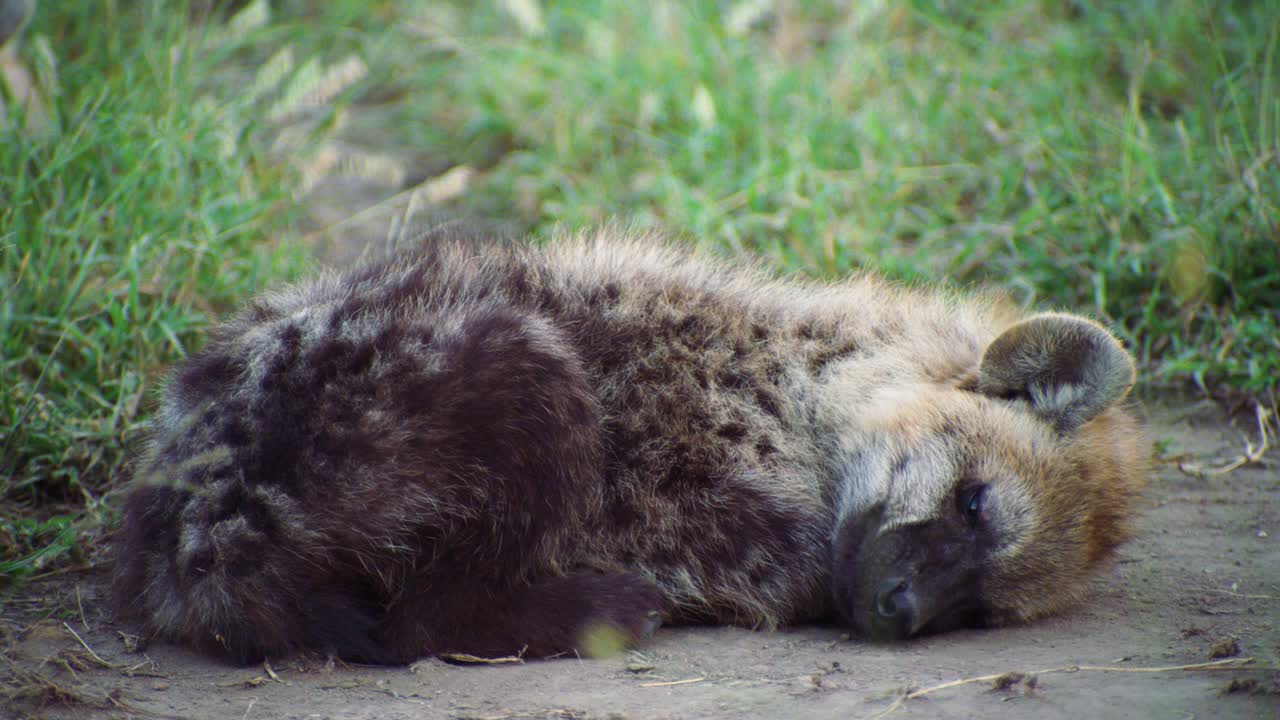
(493, 448)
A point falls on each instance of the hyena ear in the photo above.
(1069, 369)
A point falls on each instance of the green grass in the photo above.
(1119, 159)
(126, 224)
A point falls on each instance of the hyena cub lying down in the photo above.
(494, 449)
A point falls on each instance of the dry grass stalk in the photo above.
(1252, 453)
(1226, 664)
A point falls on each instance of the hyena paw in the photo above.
(629, 603)
(597, 614)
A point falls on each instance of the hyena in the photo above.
(496, 448)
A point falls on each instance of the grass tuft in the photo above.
(126, 225)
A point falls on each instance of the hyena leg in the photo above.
(580, 613)
(519, 412)
(586, 612)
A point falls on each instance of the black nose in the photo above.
(897, 610)
(893, 598)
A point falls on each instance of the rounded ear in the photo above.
(1069, 369)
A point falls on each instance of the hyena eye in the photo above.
(973, 502)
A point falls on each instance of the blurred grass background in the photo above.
(1118, 159)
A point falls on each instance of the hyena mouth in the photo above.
(901, 610)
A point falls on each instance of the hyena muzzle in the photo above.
(494, 448)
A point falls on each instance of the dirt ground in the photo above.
(1199, 584)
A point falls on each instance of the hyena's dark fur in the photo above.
(490, 448)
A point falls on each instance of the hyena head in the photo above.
(990, 499)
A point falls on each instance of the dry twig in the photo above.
(1227, 664)
(467, 659)
(1246, 596)
(563, 713)
(80, 605)
(92, 654)
(1252, 453)
(670, 683)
